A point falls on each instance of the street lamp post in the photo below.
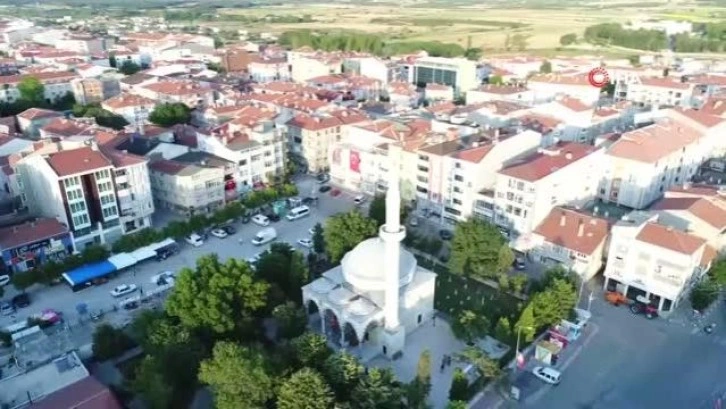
(516, 348)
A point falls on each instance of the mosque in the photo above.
(378, 294)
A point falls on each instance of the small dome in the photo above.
(364, 266)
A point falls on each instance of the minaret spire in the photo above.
(392, 233)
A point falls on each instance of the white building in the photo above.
(268, 69)
(187, 188)
(658, 262)
(56, 85)
(572, 239)
(378, 294)
(131, 107)
(669, 27)
(547, 87)
(305, 67)
(458, 73)
(644, 163)
(658, 91)
(563, 174)
(191, 93)
(509, 93)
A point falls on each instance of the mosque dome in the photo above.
(364, 266)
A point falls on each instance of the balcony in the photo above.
(122, 179)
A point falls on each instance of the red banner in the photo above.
(355, 161)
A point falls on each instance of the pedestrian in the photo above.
(433, 319)
(443, 363)
(448, 360)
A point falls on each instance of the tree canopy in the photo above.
(343, 372)
(286, 270)
(476, 249)
(344, 231)
(102, 117)
(305, 389)
(377, 210)
(470, 326)
(222, 297)
(32, 91)
(129, 67)
(568, 39)
(237, 377)
(109, 342)
(167, 115)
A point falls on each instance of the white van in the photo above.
(546, 374)
(194, 239)
(298, 212)
(264, 236)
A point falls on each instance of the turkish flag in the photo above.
(355, 161)
(520, 360)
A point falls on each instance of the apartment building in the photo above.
(253, 142)
(77, 187)
(84, 44)
(129, 106)
(133, 189)
(87, 90)
(56, 85)
(187, 188)
(450, 175)
(644, 163)
(312, 137)
(649, 259)
(658, 91)
(547, 87)
(711, 126)
(235, 60)
(268, 69)
(458, 73)
(509, 93)
(192, 94)
(572, 239)
(75, 129)
(566, 173)
(304, 67)
(31, 120)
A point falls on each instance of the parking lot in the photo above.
(61, 298)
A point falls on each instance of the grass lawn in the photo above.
(456, 293)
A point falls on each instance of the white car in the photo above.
(360, 199)
(194, 239)
(305, 242)
(219, 233)
(4, 280)
(260, 219)
(546, 374)
(254, 259)
(311, 231)
(163, 278)
(123, 289)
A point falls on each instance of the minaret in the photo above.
(392, 233)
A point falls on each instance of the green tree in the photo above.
(237, 377)
(470, 326)
(704, 294)
(286, 270)
(526, 325)
(109, 342)
(149, 382)
(343, 372)
(546, 67)
(378, 390)
(551, 274)
(344, 231)
(520, 41)
(318, 239)
(305, 389)
(718, 272)
(32, 91)
(503, 330)
(377, 210)
(459, 390)
(505, 259)
(476, 248)
(129, 67)
(457, 404)
(222, 297)
(21, 281)
(568, 39)
(418, 390)
(518, 282)
(487, 367)
(311, 350)
(168, 115)
(495, 80)
(291, 320)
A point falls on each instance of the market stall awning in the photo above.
(144, 253)
(89, 272)
(122, 260)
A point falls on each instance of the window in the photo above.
(520, 186)
(423, 169)
(104, 187)
(457, 165)
(510, 196)
(71, 182)
(74, 194)
(77, 207)
(457, 202)
(103, 174)
(109, 212)
(107, 199)
(80, 220)
(458, 178)
(421, 189)
(243, 162)
(457, 190)
(423, 157)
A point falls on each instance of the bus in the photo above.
(298, 212)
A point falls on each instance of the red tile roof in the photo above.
(545, 163)
(561, 79)
(701, 118)
(563, 228)
(177, 88)
(168, 167)
(37, 113)
(30, 232)
(474, 155)
(82, 160)
(574, 104)
(67, 127)
(715, 106)
(670, 238)
(88, 393)
(122, 159)
(44, 77)
(710, 210)
(664, 83)
(128, 100)
(654, 142)
(501, 89)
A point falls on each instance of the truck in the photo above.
(265, 235)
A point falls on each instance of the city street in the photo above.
(61, 298)
(634, 363)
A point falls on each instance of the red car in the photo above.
(335, 192)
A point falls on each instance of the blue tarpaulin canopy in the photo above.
(89, 272)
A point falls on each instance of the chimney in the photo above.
(563, 218)
(580, 228)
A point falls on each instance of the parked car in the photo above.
(261, 220)
(4, 280)
(273, 217)
(549, 375)
(359, 200)
(311, 231)
(6, 308)
(229, 229)
(194, 239)
(309, 200)
(305, 242)
(163, 254)
(203, 233)
(163, 278)
(446, 234)
(519, 263)
(219, 233)
(323, 178)
(325, 188)
(264, 236)
(123, 289)
(21, 300)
